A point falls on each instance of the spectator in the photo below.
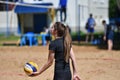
(52, 14)
(63, 6)
(90, 28)
(108, 34)
(48, 35)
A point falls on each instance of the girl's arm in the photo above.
(47, 64)
(72, 56)
(105, 31)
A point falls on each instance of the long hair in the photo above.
(63, 31)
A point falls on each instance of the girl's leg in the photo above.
(110, 45)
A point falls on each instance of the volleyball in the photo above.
(30, 67)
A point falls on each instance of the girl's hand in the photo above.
(104, 38)
(34, 74)
(76, 77)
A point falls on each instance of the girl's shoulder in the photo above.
(52, 45)
(56, 41)
(52, 42)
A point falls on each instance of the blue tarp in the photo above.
(28, 9)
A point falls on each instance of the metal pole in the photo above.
(7, 29)
(78, 20)
(76, 8)
(78, 23)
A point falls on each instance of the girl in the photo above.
(61, 50)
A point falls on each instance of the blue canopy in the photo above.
(29, 9)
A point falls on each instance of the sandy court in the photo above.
(93, 63)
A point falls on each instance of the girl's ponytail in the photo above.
(67, 44)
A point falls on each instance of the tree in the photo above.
(113, 9)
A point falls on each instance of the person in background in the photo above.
(63, 10)
(61, 50)
(48, 35)
(90, 28)
(108, 34)
(52, 14)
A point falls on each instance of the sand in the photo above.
(92, 63)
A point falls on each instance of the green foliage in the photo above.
(83, 35)
(113, 9)
(9, 38)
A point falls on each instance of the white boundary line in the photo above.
(26, 4)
